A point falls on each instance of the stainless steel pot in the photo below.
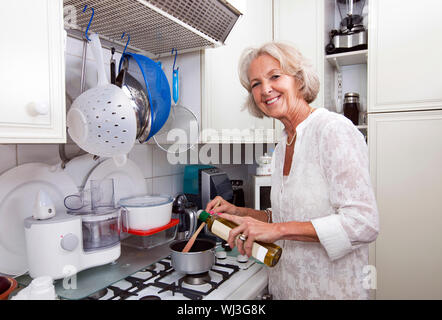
(199, 259)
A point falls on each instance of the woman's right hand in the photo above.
(223, 206)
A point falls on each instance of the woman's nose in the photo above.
(266, 88)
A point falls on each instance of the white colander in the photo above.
(102, 120)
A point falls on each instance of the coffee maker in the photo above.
(352, 34)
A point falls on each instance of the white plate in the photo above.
(18, 191)
(80, 167)
(128, 179)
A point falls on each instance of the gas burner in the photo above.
(99, 294)
(197, 279)
(150, 268)
(150, 297)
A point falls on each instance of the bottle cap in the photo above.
(203, 215)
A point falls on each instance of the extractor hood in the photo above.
(156, 26)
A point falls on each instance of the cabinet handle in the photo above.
(38, 109)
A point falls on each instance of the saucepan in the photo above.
(199, 259)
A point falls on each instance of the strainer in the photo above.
(102, 120)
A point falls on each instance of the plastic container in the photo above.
(146, 212)
(152, 238)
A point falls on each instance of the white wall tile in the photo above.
(46, 153)
(163, 185)
(8, 158)
(161, 166)
(142, 155)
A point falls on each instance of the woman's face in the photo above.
(274, 92)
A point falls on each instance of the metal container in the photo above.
(199, 259)
(351, 107)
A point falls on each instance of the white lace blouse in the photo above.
(329, 185)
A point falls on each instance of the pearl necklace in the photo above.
(294, 136)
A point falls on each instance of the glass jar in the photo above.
(351, 107)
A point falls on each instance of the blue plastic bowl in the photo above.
(156, 85)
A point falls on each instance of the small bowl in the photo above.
(13, 284)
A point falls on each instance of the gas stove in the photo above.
(228, 279)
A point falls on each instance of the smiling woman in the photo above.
(324, 211)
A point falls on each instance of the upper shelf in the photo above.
(348, 58)
(157, 26)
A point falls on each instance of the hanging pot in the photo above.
(140, 70)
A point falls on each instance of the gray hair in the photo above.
(292, 63)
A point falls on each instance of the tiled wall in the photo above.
(159, 174)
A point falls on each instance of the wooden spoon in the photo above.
(191, 241)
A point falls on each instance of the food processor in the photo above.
(352, 34)
(74, 240)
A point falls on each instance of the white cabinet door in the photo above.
(32, 82)
(405, 164)
(301, 23)
(404, 57)
(223, 95)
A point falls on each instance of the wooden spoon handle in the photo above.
(193, 238)
(191, 241)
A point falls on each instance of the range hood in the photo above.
(156, 26)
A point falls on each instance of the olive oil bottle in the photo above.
(268, 253)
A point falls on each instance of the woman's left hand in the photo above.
(253, 230)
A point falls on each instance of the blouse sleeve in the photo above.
(344, 161)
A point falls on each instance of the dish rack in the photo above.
(146, 239)
(155, 26)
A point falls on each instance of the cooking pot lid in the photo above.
(146, 201)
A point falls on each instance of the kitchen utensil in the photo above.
(17, 187)
(181, 127)
(155, 84)
(101, 120)
(264, 165)
(102, 194)
(139, 98)
(147, 212)
(200, 259)
(112, 67)
(128, 179)
(352, 34)
(44, 207)
(351, 107)
(70, 242)
(193, 238)
(7, 285)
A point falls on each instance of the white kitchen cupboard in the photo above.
(223, 120)
(405, 60)
(301, 24)
(32, 64)
(405, 166)
(405, 145)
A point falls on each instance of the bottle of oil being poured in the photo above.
(268, 253)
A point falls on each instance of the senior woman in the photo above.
(324, 212)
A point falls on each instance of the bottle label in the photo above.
(222, 231)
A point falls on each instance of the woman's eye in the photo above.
(255, 84)
(275, 76)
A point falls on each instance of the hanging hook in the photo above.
(90, 21)
(128, 39)
(174, 61)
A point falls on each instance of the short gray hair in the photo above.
(292, 63)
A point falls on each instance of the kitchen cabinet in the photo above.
(405, 146)
(223, 120)
(405, 166)
(404, 60)
(32, 64)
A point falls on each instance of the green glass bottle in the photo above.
(268, 253)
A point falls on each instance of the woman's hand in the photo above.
(253, 230)
(223, 206)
